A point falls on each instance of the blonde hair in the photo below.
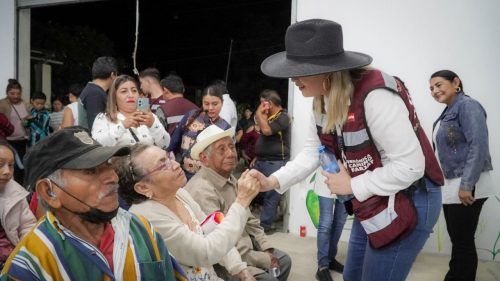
(340, 88)
(339, 94)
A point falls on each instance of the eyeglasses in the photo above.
(166, 164)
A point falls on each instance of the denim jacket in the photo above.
(462, 141)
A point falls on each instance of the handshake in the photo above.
(251, 183)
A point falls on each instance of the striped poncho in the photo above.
(52, 252)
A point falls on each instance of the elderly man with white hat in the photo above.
(215, 188)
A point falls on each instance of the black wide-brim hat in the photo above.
(68, 148)
(313, 47)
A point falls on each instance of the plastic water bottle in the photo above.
(329, 164)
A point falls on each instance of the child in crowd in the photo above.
(56, 116)
(39, 125)
(16, 220)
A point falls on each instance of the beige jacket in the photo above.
(216, 193)
(6, 109)
(190, 248)
(17, 219)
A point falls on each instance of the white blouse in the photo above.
(108, 133)
(393, 135)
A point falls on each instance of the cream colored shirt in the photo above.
(193, 249)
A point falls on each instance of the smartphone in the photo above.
(143, 104)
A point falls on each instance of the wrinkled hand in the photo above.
(339, 183)
(248, 188)
(245, 275)
(466, 197)
(275, 262)
(263, 108)
(266, 183)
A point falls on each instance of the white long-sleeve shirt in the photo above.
(108, 133)
(391, 130)
(228, 111)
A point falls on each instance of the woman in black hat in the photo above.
(367, 119)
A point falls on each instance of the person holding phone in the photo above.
(128, 119)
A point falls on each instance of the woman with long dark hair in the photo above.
(193, 123)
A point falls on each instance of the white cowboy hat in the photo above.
(208, 136)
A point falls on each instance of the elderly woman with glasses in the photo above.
(151, 181)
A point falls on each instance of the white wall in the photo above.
(8, 43)
(413, 39)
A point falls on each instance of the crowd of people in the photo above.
(123, 193)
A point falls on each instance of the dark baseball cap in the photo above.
(68, 148)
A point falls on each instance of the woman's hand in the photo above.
(131, 122)
(146, 118)
(248, 188)
(266, 183)
(466, 197)
(339, 183)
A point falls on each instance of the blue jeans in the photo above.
(271, 198)
(331, 223)
(363, 263)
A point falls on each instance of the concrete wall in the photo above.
(8, 44)
(413, 39)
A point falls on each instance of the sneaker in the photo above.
(336, 266)
(323, 274)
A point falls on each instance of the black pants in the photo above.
(20, 147)
(461, 222)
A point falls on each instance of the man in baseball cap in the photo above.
(84, 235)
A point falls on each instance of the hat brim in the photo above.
(95, 157)
(198, 147)
(280, 66)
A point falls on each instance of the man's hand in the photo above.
(248, 188)
(245, 275)
(275, 262)
(339, 183)
(466, 197)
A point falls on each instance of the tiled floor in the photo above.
(428, 267)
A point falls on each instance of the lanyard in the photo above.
(340, 145)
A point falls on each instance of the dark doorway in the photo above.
(189, 37)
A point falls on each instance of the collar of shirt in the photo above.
(218, 180)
